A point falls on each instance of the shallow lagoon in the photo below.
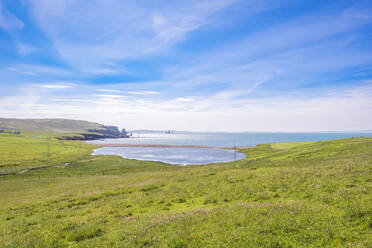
(180, 156)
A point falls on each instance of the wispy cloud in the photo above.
(8, 21)
(172, 23)
(118, 30)
(201, 65)
(109, 90)
(54, 86)
(144, 92)
(220, 112)
(109, 96)
(25, 49)
(184, 99)
(303, 47)
(29, 73)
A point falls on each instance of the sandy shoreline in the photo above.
(166, 146)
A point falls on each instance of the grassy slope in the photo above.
(315, 194)
(24, 152)
(51, 126)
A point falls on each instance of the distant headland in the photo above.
(63, 129)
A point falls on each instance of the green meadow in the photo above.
(310, 194)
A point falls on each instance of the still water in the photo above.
(186, 156)
(181, 156)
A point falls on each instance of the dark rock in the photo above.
(94, 134)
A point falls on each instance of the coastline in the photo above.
(217, 141)
(168, 146)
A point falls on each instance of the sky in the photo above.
(197, 65)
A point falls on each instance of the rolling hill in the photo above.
(62, 128)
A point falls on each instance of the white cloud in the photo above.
(144, 92)
(109, 90)
(304, 47)
(105, 71)
(55, 86)
(8, 21)
(40, 70)
(335, 110)
(25, 49)
(254, 83)
(114, 30)
(109, 96)
(172, 27)
(184, 99)
(29, 73)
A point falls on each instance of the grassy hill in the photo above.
(62, 128)
(308, 194)
(43, 126)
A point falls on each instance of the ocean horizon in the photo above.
(224, 139)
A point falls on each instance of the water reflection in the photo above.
(181, 156)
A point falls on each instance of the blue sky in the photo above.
(205, 65)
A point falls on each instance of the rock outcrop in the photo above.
(102, 133)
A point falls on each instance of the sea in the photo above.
(223, 139)
(190, 156)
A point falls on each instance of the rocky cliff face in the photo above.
(108, 130)
(102, 133)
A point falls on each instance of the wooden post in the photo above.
(235, 154)
(48, 148)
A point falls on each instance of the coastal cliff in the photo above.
(62, 129)
(101, 133)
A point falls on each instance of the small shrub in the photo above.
(85, 233)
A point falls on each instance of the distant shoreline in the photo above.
(168, 146)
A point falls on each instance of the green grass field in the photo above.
(24, 152)
(308, 194)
